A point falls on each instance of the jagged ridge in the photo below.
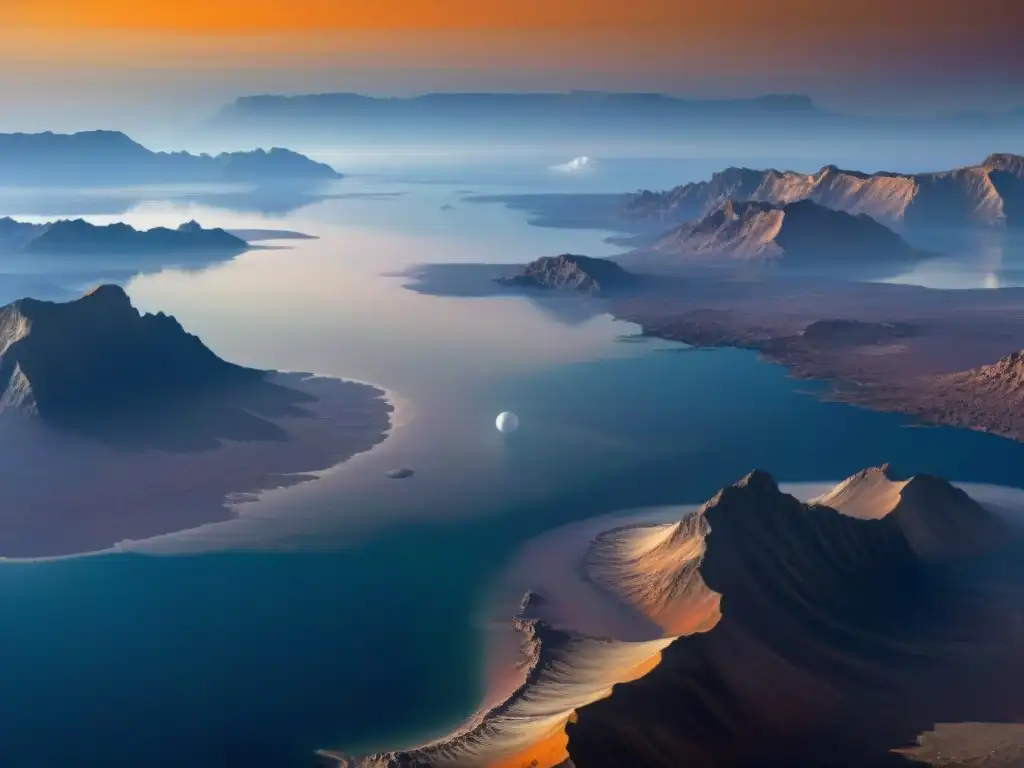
(801, 232)
(989, 194)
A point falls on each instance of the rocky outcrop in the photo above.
(796, 233)
(989, 398)
(990, 194)
(573, 274)
(98, 358)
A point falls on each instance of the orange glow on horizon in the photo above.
(689, 19)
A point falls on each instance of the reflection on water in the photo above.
(970, 259)
(367, 635)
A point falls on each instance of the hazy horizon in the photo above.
(162, 68)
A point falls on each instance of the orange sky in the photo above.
(216, 49)
(728, 37)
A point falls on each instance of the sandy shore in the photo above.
(211, 463)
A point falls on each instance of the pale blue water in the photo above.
(366, 635)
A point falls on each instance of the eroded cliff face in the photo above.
(989, 194)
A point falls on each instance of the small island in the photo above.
(110, 158)
(149, 431)
(573, 274)
(79, 237)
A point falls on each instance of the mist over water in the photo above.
(347, 613)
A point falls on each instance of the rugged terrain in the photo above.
(800, 233)
(990, 194)
(781, 632)
(848, 628)
(890, 347)
(573, 274)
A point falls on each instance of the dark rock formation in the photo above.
(80, 237)
(97, 359)
(573, 274)
(106, 158)
(843, 634)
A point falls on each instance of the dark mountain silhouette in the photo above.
(569, 273)
(109, 158)
(990, 194)
(80, 237)
(801, 232)
(97, 359)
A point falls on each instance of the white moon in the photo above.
(507, 422)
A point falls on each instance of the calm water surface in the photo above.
(346, 613)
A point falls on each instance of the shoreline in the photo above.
(880, 346)
(240, 474)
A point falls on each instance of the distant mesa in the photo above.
(81, 237)
(128, 427)
(800, 232)
(573, 274)
(990, 194)
(108, 158)
(500, 114)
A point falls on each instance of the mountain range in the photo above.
(797, 233)
(774, 631)
(79, 237)
(109, 158)
(817, 633)
(989, 194)
(505, 117)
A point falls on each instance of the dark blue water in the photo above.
(243, 659)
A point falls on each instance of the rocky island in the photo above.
(149, 431)
(110, 158)
(79, 237)
(573, 274)
(760, 629)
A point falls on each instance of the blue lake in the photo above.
(350, 618)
